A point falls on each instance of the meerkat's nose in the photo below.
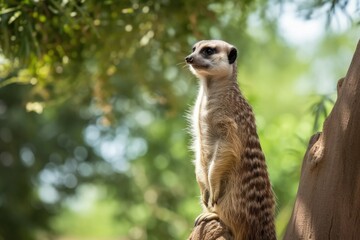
(189, 59)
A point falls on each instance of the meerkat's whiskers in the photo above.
(182, 64)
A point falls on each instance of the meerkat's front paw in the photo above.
(207, 216)
(214, 198)
(205, 197)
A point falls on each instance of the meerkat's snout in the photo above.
(189, 59)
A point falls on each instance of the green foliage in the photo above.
(94, 94)
(335, 7)
(320, 110)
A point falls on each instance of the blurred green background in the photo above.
(94, 96)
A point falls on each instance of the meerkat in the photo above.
(229, 163)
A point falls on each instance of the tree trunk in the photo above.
(211, 230)
(327, 205)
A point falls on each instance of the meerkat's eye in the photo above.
(193, 49)
(209, 51)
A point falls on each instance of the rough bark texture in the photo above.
(211, 230)
(327, 205)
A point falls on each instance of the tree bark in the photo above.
(327, 205)
(211, 230)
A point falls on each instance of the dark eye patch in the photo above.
(207, 51)
(193, 49)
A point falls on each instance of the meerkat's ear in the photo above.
(232, 55)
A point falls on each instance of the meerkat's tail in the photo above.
(257, 193)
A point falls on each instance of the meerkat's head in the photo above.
(212, 58)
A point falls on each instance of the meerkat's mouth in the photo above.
(197, 66)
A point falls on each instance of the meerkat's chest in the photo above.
(205, 118)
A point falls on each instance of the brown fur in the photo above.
(230, 165)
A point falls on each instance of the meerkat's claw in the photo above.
(205, 198)
(214, 200)
(206, 217)
(211, 203)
